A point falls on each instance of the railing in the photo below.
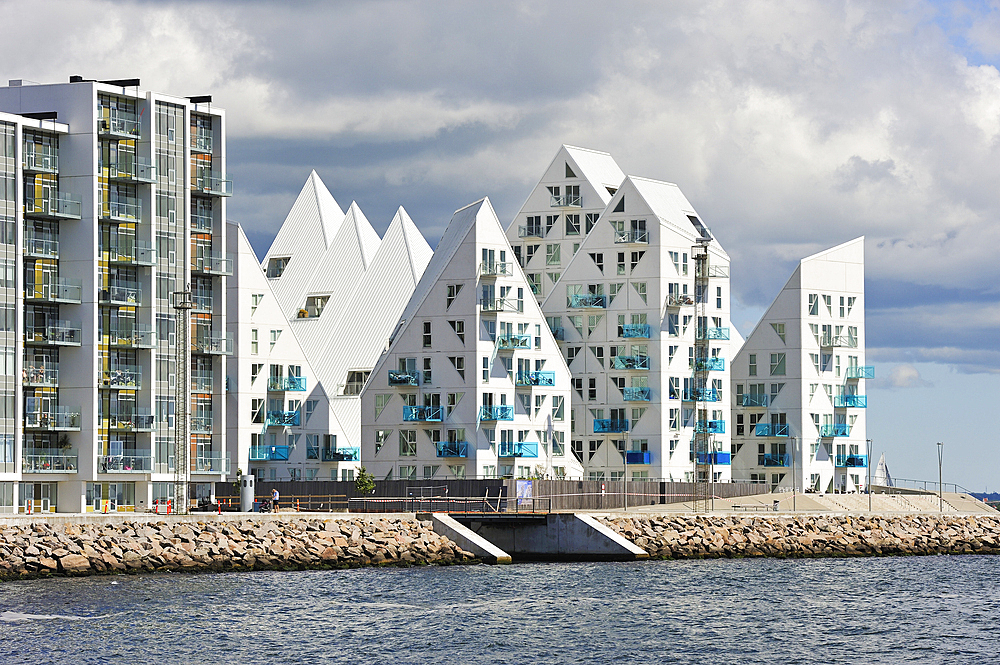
(61, 290)
(636, 330)
(202, 382)
(452, 448)
(851, 461)
(201, 140)
(487, 269)
(422, 413)
(341, 455)
(202, 424)
(500, 412)
(63, 333)
(277, 383)
(203, 303)
(212, 183)
(463, 505)
(636, 362)
(124, 463)
(558, 333)
(500, 305)
(213, 463)
(716, 458)
(673, 300)
(713, 364)
(535, 379)
(701, 395)
(52, 420)
(131, 167)
(142, 338)
(755, 399)
(213, 265)
(530, 231)
(712, 333)
(122, 295)
(631, 237)
(41, 248)
(60, 206)
(843, 341)
(131, 422)
(131, 253)
(127, 210)
(637, 457)
(40, 161)
(710, 426)
(838, 429)
(608, 426)
(201, 223)
(518, 449)
(773, 460)
(42, 376)
(269, 453)
(123, 377)
(861, 372)
(929, 486)
(850, 401)
(282, 418)
(511, 342)
(119, 127)
(402, 378)
(213, 344)
(636, 394)
(771, 429)
(565, 201)
(34, 461)
(586, 300)
(713, 271)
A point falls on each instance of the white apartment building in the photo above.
(113, 200)
(472, 383)
(798, 380)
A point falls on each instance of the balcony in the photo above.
(118, 128)
(501, 412)
(213, 264)
(501, 305)
(124, 464)
(40, 376)
(701, 395)
(121, 295)
(531, 231)
(850, 401)
(839, 429)
(202, 223)
(422, 414)
(558, 333)
(674, 300)
(452, 448)
(269, 453)
(496, 269)
(710, 426)
(42, 460)
(213, 345)
(130, 168)
(637, 457)
(631, 237)
(518, 449)
(202, 303)
(773, 460)
(282, 419)
(709, 364)
(631, 330)
(513, 342)
(565, 201)
(201, 140)
(128, 377)
(636, 394)
(770, 429)
(211, 183)
(280, 384)
(202, 382)
(61, 419)
(711, 333)
(591, 300)
(607, 426)
(202, 424)
(139, 421)
(129, 252)
(61, 333)
(61, 290)
(35, 160)
(61, 206)
(861, 372)
(402, 378)
(126, 210)
(714, 459)
(839, 341)
(136, 338)
(210, 464)
(41, 248)
(535, 379)
(636, 362)
(341, 455)
(851, 461)
(758, 400)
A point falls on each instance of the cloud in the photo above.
(904, 376)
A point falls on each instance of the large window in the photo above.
(777, 364)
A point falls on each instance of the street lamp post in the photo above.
(795, 483)
(940, 447)
(868, 463)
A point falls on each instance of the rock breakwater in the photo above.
(710, 536)
(39, 549)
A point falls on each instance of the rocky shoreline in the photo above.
(712, 536)
(39, 549)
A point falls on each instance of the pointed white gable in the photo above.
(597, 167)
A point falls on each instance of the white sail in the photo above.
(882, 476)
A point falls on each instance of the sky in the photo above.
(791, 125)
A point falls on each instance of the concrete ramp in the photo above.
(465, 538)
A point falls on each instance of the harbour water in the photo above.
(943, 609)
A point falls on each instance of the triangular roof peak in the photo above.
(596, 166)
(855, 246)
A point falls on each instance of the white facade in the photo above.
(798, 381)
(108, 210)
(472, 383)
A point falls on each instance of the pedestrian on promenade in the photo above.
(274, 499)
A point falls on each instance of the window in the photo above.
(255, 300)
(572, 225)
(850, 304)
(381, 436)
(598, 259)
(752, 369)
(459, 328)
(777, 364)
(254, 342)
(813, 304)
(779, 330)
(558, 412)
(591, 220)
(828, 301)
(257, 410)
(427, 334)
(407, 472)
(355, 382)
(407, 443)
(552, 257)
(529, 251)
(550, 220)
(453, 290)
(255, 371)
(841, 306)
(640, 288)
(275, 334)
(427, 371)
(534, 282)
(380, 403)
(718, 301)
(458, 362)
(276, 266)
(486, 369)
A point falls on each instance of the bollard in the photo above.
(296, 505)
(220, 507)
(170, 505)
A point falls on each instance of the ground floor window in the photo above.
(110, 497)
(7, 497)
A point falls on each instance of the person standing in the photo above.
(274, 499)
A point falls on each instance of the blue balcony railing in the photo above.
(501, 412)
(452, 448)
(754, 399)
(709, 364)
(422, 413)
(850, 401)
(771, 429)
(701, 395)
(636, 394)
(282, 418)
(710, 426)
(518, 449)
(839, 429)
(712, 333)
(402, 378)
(717, 459)
(637, 457)
(630, 362)
(635, 330)
(341, 454)
(773, 460)
(536, 378)
(558, 333)
(586, 300)
(278, 383)
(607, 426)
(269, 453)
(852, 461)
(861, 372)
(510, 342)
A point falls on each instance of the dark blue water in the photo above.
(893, 610)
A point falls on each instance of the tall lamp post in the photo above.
(940, 447)
(868, 463)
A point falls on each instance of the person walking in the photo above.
(274, 499)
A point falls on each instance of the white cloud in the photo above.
(906, 376)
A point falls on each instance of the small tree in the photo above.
(365, 482)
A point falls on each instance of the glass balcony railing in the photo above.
(558, 333)
(138, 337)
(839, 429)
(712, 333)
(565, 201)
(501, 412)
(282, 419)
(41, 248)
(850, 401)
(637, 457)
(129, 252)
(608, 426)
(121, 294)
(124, 463)
(125, 421)
(701, 395)
(452, 448)
(202, 382)
(269, 453)
(128, 377)
(126, 210)
(635, 362)
(754, 399)
(715, 459)
(710, 426)
(518, 449)
(45, 460)
(631, 237)
(60, 333)
(61, 206)
(214, 264)
(674, 300)
(586, 300)
(118, 127)
(40, 160)
(842, 341)
(341, 455)
(773, 460)
(210, 464)
(132, 168)
(861, 372)
(851, 461)
(40, 376)
(201, 140)
(512, 342)
(61, 418)
(217, 345)
(771, 429)
(709, 364)
(636, 394)
(402, 378)
(530, 231)
(211, 183)
(202, 303)
(422, 413)
(487, 269)
(61, 290)
(202, 424)
(640, 330)
(536, 379)
(501, 305)
(279, 384)
(202, 223)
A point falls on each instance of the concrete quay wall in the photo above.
(36, 548)
(808, 535)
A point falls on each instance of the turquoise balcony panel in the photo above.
(607, 426)
(709, 364)
(771, 429)
(282, 419)
(755, 399)
(501, 412)
(558, 333)
(341, 455)
(637, 457)
(839, 429)
(402, 378)
(716, 459)
(630, 362)
(712, 333)
(279, 384)
(850, 401)
(701, 395)
(631, 237)
(587, 300)
(536, 378)
(518, 449)
(774, 460)
(512, 342)
(636, 330)
(852, 461)
(452, 448)
(422, 413)
(710, 426)
(268, 453)
(861, 372)
(636, 394)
